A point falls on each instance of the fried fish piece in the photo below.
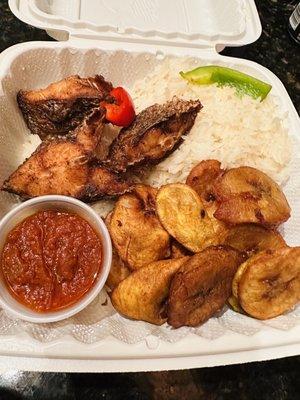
(118, 270)
(202, 286)
(183, 215)
(154, 134)
(136, 232)
(143, 294)
(202, 177)
(65, 166)
(270, 283)
(63, 105)
(252, 238)
(246, 194)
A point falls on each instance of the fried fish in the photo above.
(66, 166)
(154, 134)
(62, 106)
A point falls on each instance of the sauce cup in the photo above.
(60, 203)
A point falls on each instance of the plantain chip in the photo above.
(270, 284)
(178, 251)
(252, 238)
(118, 270)
(202, 286)
(234, 304)
(143, 294)
(246, 194)
(236, 279)
(136, 232)
(202, 177)
(183, 215)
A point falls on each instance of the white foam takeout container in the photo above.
(124, 40)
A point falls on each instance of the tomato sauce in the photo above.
(51, 259)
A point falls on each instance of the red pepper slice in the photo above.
(121, 112)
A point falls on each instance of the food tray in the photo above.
(65, 352)
(124, 56)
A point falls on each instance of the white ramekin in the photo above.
(61, 203)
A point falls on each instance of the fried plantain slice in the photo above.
(202, 286)
(136, 232)
(178, 251)
(270, 284)
(237, 278)
(202, 176)
(233, 299)
(234, 304)
(183, 215)
(201, 179)
(118, 270)
(253, 238)
(246, 194)
(142, 295)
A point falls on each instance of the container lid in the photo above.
(177, 23)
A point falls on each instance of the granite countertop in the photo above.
(276, 380)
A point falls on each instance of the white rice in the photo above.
(234, 130)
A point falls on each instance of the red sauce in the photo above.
(51, 259)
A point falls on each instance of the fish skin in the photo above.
(63, 105)
(155, 133)
(66, 166)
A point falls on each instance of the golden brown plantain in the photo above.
(246, 194)
(234, 304)
(236, 279)
(253, 238)
(143, 294)
(118, 270)
(202, 177)
(178, 251)
(202, 286)
(136, 232)
(270, 283)
(183, 215)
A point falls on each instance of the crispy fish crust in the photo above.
(252, 238)
(136, 232)
(65, 166)
(143, 294)
(246, 194)
(154, 134)
(202, 286)
(62, 106)
(269, 284)
(183, 215)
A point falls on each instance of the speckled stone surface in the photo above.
(272, 380)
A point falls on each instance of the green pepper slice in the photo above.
(243, 83)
